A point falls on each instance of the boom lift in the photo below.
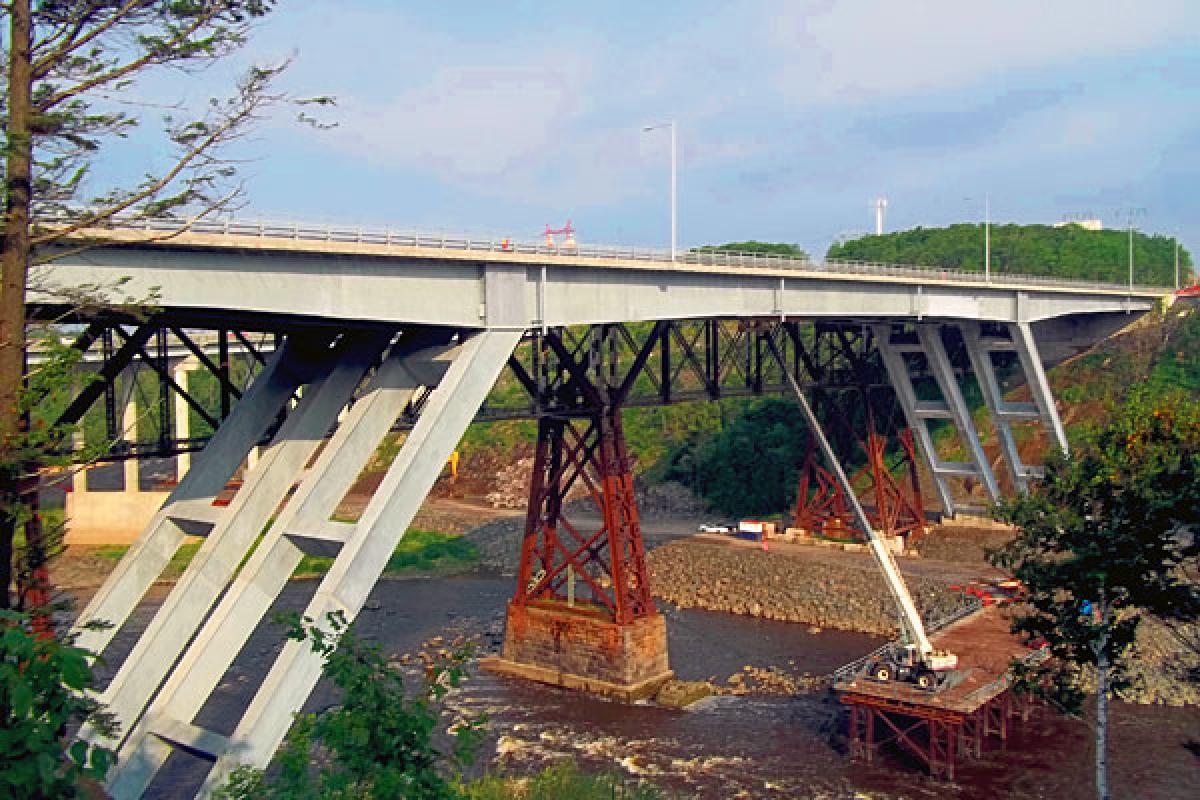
(915, 660)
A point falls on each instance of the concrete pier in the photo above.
(582, 648)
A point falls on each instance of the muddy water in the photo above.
(747, 746)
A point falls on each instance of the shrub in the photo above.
(42, 692)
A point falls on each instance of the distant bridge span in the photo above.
(422, 326)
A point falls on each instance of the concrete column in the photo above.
(130, 426)
(183, 461)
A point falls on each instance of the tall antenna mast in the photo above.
(880, 205)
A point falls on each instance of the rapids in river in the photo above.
(747, 746)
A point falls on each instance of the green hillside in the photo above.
(1067, 252)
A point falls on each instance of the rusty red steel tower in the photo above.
(898, 508)
(582, 615)
(849, 386)
(610, 562)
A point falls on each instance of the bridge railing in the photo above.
(704, 256)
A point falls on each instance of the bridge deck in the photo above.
(478, 284)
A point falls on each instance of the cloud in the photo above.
(965, 122)
(473, 123)
(791, 116)
(855, 51)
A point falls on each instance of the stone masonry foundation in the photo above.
(581, 648)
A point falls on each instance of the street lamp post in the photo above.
(1130, 214)
(987, 237)
(987, 233)
(674, 178)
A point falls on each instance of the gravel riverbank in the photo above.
(787, 587)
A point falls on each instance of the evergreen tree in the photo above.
(67, 64)
(1071, 251)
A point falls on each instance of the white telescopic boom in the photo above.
(909, 615)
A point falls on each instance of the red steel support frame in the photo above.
(844, 364)
(610, 562)
(899, 510)
(936, 736)
(583, 443)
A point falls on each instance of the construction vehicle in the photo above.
(907, 663)
(914, 660)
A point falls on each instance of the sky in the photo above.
(792, 117)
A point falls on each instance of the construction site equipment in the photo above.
(917, 661)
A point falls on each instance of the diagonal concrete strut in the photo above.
(236, 527)
(286, 370)
(463, 372)
(952, 407)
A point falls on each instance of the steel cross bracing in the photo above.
(681, 361)
(132, 363)
(668, 362)
(580, 442)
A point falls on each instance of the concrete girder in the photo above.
(417, 359)
(236, 528)
(505, 291)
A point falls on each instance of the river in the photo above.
(722, 747)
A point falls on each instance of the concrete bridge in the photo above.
(379, 327)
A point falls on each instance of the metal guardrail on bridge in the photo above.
(703, 256)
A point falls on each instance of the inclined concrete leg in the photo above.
(146, 559)
(930, 337)
(368, 545)
(413, 362)
(916, 414)
(1039, 384)
(1002, 414)
(234, 531)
